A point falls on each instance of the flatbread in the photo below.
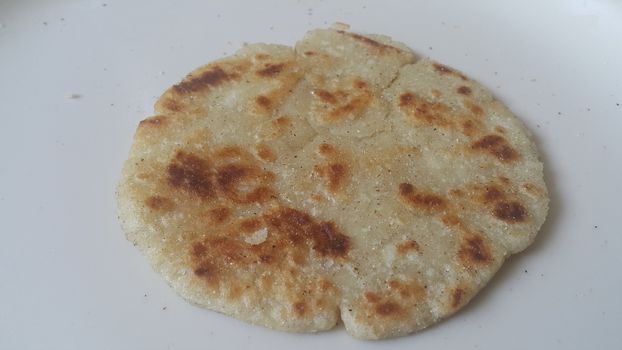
(343, 179)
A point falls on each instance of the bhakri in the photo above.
(343, 180)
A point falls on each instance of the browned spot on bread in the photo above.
(207, 272)
(300, 308)
(512, 212)
(264, 152)
(218, 215)
(235, 292)
(444, 70)
(250, 225)
(191, 174)
(340, 104)
(425, 112)
(327, 150)
(233, 179)
(464, 90)
(281, 124)
(468, 127)
(154, 121)
(334, 174)
(496, 146)
(456, 297)
(412, 290)
(359, 84)
(451, 220)
(172, 105)
(309, 53)
(229, 152)
(261, 56)
(500, 129)
(236, 176)
(474, 251)
(325, 96)
(263, 101)
(505, 180)
(456, 192)
(436, 93)
(210, 78)
(420, 200)
(371, 43)
(474, 108)
(372, 297)
(492, 194)
(159, 203)
(298, 226)
(388, 308)
(271, 70)
(408, 246)
(291, 236)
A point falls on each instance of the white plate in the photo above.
(68, 278)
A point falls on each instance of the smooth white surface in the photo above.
(68, 278)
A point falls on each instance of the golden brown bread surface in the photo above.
(345, 179)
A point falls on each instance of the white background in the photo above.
(69, 279)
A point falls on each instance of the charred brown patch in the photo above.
(451, 220)
(412, 290)
(250, 225)
(408, 246)
(496, 146)
(173, 105)
(340, 103)
(282, 122)
(475, 109)
(159, 203)
(425, 112)
(457, 297)
(327, 150)
(309, 53)
(265, 153)
(325, 96)
(297, 227)
(334, 174)
(191, 174)
(474, 251)
(436, 93)
(235, 176)
(263, 101)
(262, 57)
(492, 194)
(468, 128)
(271, 70)
(154, 121)
(372, 297)
(219, 215)
(425, 201)
(464, 90)
(210, 78)
(444, 70)
(371, 43)
(388, 308)
(235, 292)
(300, 308)
(359, 84)
(231, 177)
(512, 212)
(500, 129)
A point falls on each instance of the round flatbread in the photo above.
(343, 179)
